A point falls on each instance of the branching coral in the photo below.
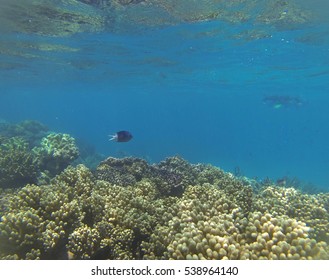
(29, 130)
(56, 152)
(280, 238)
(40, 218)
(81, 215)
(208, 225)
(312, 209)
(17, 164)
(30, 154)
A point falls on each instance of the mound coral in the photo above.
(81, 215)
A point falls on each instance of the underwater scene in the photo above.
(164, 129)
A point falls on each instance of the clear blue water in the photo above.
(191, 90)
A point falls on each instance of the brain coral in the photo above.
(85, 215)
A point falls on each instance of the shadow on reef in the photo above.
(129, 209)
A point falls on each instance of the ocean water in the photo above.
(194, 88)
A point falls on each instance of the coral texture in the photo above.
(17, 163)
(29, 153)
(56, 152)
(129, 209)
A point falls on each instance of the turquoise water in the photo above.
(194, 89)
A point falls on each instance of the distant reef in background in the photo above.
(54, 207)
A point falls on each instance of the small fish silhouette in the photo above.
(280, 101)
(121, 136)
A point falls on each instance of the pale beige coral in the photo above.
(281, 238)
(208, 225)
(311, 209)
(204, 214)
(59, 145)
(19, 231)
(83, 215)
(39, 218)
(84, 242)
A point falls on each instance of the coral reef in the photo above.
(312, 209)
(208, 225)
(39, 219)
(29, 153)
(17, 163)
(29, 130)
(56, 152)
(170, 176)
(127, 209)
(122, 172)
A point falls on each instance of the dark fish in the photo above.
(281, 182)
(121, 136)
